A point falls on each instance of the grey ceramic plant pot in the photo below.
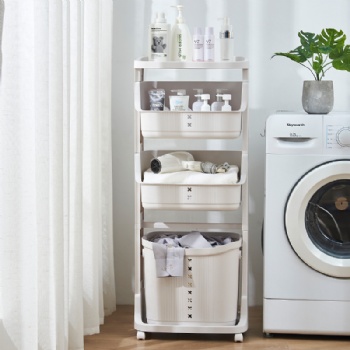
(318, 96)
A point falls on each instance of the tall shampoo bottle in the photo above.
(181, 38)
(159, 39)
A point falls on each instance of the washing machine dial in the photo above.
(343, 137)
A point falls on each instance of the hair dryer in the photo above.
(180, 161)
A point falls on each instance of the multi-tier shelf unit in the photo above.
(162, 305)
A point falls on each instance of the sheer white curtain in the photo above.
(56, 258)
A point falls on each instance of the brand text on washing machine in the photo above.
(290, 124)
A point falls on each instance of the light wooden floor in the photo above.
(118, 333)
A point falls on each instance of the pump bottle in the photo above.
(205, 107)
(226, 107)
(217, 105)
(196, 106)
(181, 38)
(179, 102)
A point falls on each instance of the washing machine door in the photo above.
(317, 218)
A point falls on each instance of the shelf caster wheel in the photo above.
(239, 338)
(140, 335)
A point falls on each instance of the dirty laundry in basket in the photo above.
(169, 250)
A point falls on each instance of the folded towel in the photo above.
(192, 177)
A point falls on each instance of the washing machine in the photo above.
(306, 236)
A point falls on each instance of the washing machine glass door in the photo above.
(317, 218)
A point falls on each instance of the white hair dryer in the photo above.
(179, 161)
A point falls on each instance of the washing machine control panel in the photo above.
(343, 136)
(292, 133)
(337, 134)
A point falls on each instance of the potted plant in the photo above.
(319, 53)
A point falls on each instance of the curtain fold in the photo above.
(56, 251)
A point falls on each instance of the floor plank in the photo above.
(118, 333)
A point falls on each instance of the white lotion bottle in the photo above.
(159, 39)
(209, 44)
(205, 107)
(197, 105)
(181, 38)
(226, 41)
(216, 106)
(226, 107)
(198, 45)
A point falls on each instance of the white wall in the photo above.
(261, 27)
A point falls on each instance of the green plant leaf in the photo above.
(339, 52)
(330, 39)
(319, 52)
(299, 54)
(341, 58)
(309, 42)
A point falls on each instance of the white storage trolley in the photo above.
(211, 296)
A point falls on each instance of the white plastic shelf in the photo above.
(191, 195)
(216, 137)
(190, 124)
(239, 63)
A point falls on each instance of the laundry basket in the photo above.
(206, 294)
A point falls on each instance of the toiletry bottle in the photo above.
(159, 39)
(179, 102)
(217, 105)
(196, 106)
(205, 107)
(226, 40)
(198, 49)
(181, 39)
(226, 107)
(209, 44)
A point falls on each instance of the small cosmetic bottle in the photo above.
(209, 44)
(198, 45)
(226, 41)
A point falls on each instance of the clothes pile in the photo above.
(169, 250)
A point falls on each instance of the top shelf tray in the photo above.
(239, 63)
